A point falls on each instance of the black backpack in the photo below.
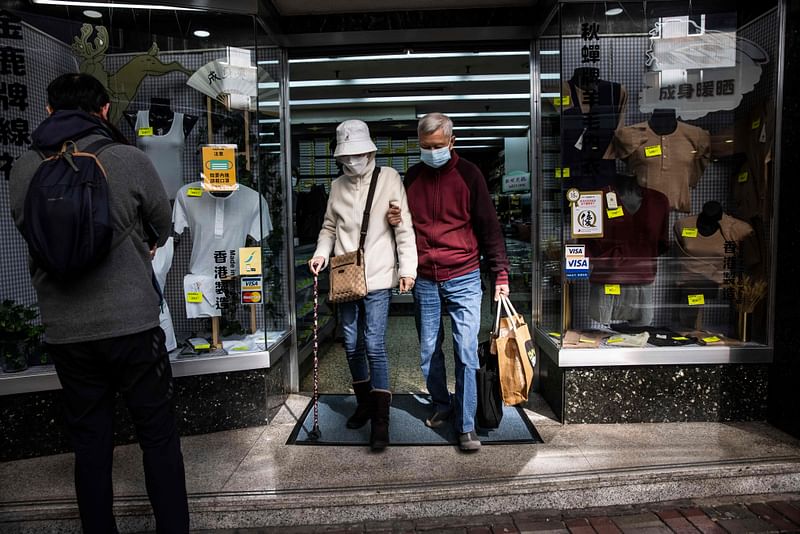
(67, 218)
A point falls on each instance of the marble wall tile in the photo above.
(33, 424)
(665, 393)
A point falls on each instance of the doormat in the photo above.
(406, 424)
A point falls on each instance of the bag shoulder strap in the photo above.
(93, 148)
(368, 207)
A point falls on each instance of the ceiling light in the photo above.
(486, 114)
(407, 56)
(269, 144)
(462, 147)
(92, 14)
(509, 127)
(470, 138)
(201, 33)
(388, 99)
(614, 11)
(113, 4)
(417, 79)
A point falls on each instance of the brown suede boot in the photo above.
(381, 402)
(364, 407)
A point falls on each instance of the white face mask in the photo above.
(354, 165)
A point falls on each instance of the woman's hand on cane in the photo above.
(315, 264)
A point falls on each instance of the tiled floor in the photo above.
(734, 515)
(250, 478)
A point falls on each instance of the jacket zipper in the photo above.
(435, 244)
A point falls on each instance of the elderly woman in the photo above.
(389, 252)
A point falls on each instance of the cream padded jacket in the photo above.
(387, 249)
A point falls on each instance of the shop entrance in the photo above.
(487, 95)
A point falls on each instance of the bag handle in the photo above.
(368, 207)
(511, 322)
(496, 330)
(510, 305)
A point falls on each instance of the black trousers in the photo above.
(137, 366)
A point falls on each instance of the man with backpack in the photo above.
(92, 209)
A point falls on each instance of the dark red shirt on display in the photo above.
(629, 249)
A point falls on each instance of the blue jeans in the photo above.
(364, 325)
(462, 299)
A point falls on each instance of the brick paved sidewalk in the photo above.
(720, 515)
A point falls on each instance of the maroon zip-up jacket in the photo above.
(455, 221)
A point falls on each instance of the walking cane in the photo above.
(315, 433)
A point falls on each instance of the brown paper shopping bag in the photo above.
(516, 355)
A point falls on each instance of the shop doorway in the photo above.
(487, 95)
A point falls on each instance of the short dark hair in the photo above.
(77, 91)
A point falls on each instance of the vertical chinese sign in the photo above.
(15, 134)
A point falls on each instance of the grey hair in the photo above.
(434, 121)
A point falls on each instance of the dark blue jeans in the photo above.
(364, 325)
(91, 374)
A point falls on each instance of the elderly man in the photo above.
(456, 224)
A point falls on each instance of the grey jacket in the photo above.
(117, 297)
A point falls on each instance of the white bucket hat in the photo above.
(352, 137)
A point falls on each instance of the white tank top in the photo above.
(165, 151)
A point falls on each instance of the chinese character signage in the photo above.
(590, 51)
(517, 182)
(15, 131)
(587, 215)
(696, 70)
(219, 168)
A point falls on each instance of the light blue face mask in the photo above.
(434, 157)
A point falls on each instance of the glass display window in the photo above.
(198, 92)
(658, 181)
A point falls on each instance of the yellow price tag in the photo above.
(689, 232)
(742, 177)
(194, 192)
(680, 338)
(696, 300)
(565, 172)
(612, 289)
(558, 172)
(756, 123)
(554, 334)
(612, 214)
(145, 132)
(652, 151)
(614, 340)
(561, 101)
(712, 339)
(194, 297)
(584, 340)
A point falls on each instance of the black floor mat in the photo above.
(406, 427)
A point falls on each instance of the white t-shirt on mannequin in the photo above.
(219, 223)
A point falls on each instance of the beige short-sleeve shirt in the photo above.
(671, 163)
(703, 257)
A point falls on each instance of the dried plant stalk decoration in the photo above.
(747, 292)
